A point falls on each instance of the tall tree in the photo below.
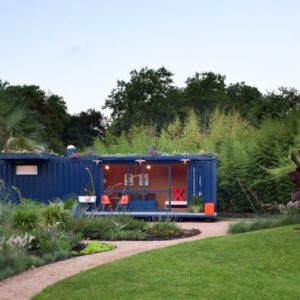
(204, 93)
(144, 99)
(81, 129)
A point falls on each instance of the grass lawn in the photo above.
(256, 265)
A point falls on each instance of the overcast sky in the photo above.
(79, 48)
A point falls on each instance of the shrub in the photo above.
(51, 240)
(15, 259)
(258, 224)
(69, 202)
(6, 211)
(55, 213)
(96, 247)
(162, 229)
(120, 234)
(26, 219)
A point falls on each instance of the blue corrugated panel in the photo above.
(60, 176)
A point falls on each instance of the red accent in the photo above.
(209, 208)
(105, 201)
(178, 194)
(124, 200)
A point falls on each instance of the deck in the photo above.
(155, 214)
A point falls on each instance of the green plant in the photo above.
(55, 212)
(162, 229)
(90, 188)
(26, 218)
(69, 202)
(264, 223)
(50, 239)
(16, 260)
(196, 204)
(120, 234)
(96, 247)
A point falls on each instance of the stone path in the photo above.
(27, 284)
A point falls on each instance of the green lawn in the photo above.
(256, 265)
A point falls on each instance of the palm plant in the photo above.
(19, 130)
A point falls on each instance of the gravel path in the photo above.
(29, 283)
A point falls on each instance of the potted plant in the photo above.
(196, 204)
(89, 191)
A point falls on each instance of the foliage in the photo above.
(83, 128)
(96, 247)
(55, 213)
(16, 261)
(26, 218)
(196, 204)
(143, 100)
(230, 267)
(163, 229)
(51, 239)
(19, 130)
(264, 223)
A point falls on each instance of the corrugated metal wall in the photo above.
(55, 178)
(202, 180)
(60, 177)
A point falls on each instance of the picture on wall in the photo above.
(128, 179)
(143, 180)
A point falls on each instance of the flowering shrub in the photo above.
(17, 241)
(293, 207)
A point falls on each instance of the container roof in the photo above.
(107, 158)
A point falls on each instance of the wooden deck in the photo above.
(155, 214)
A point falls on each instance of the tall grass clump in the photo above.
(246, 226)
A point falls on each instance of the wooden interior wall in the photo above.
(158, 179)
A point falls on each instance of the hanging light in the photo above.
(107, 167)
(140, 161)
(185, 160)
(148, 167)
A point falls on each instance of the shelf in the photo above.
(176, 203)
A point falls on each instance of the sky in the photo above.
(78, 49)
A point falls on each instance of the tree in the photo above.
(19, 130)
(143, 100)
(247, 100)
(204, 93)
(82, 128)
(48, 109)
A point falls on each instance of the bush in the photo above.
(108, 227)
(162, 229)
(120, 234)
(258, 224)
(55, 213)
(51, 240)
(15, 260)
(69, 202)
(6, 211)
(26, 219)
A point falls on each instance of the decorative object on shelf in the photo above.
(143, 180)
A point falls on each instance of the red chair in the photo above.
(123, 203)
(105, 201)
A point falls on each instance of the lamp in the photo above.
(185, 160)
(148, 167)
(97, 161)
(107, 167)
(140, 161)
